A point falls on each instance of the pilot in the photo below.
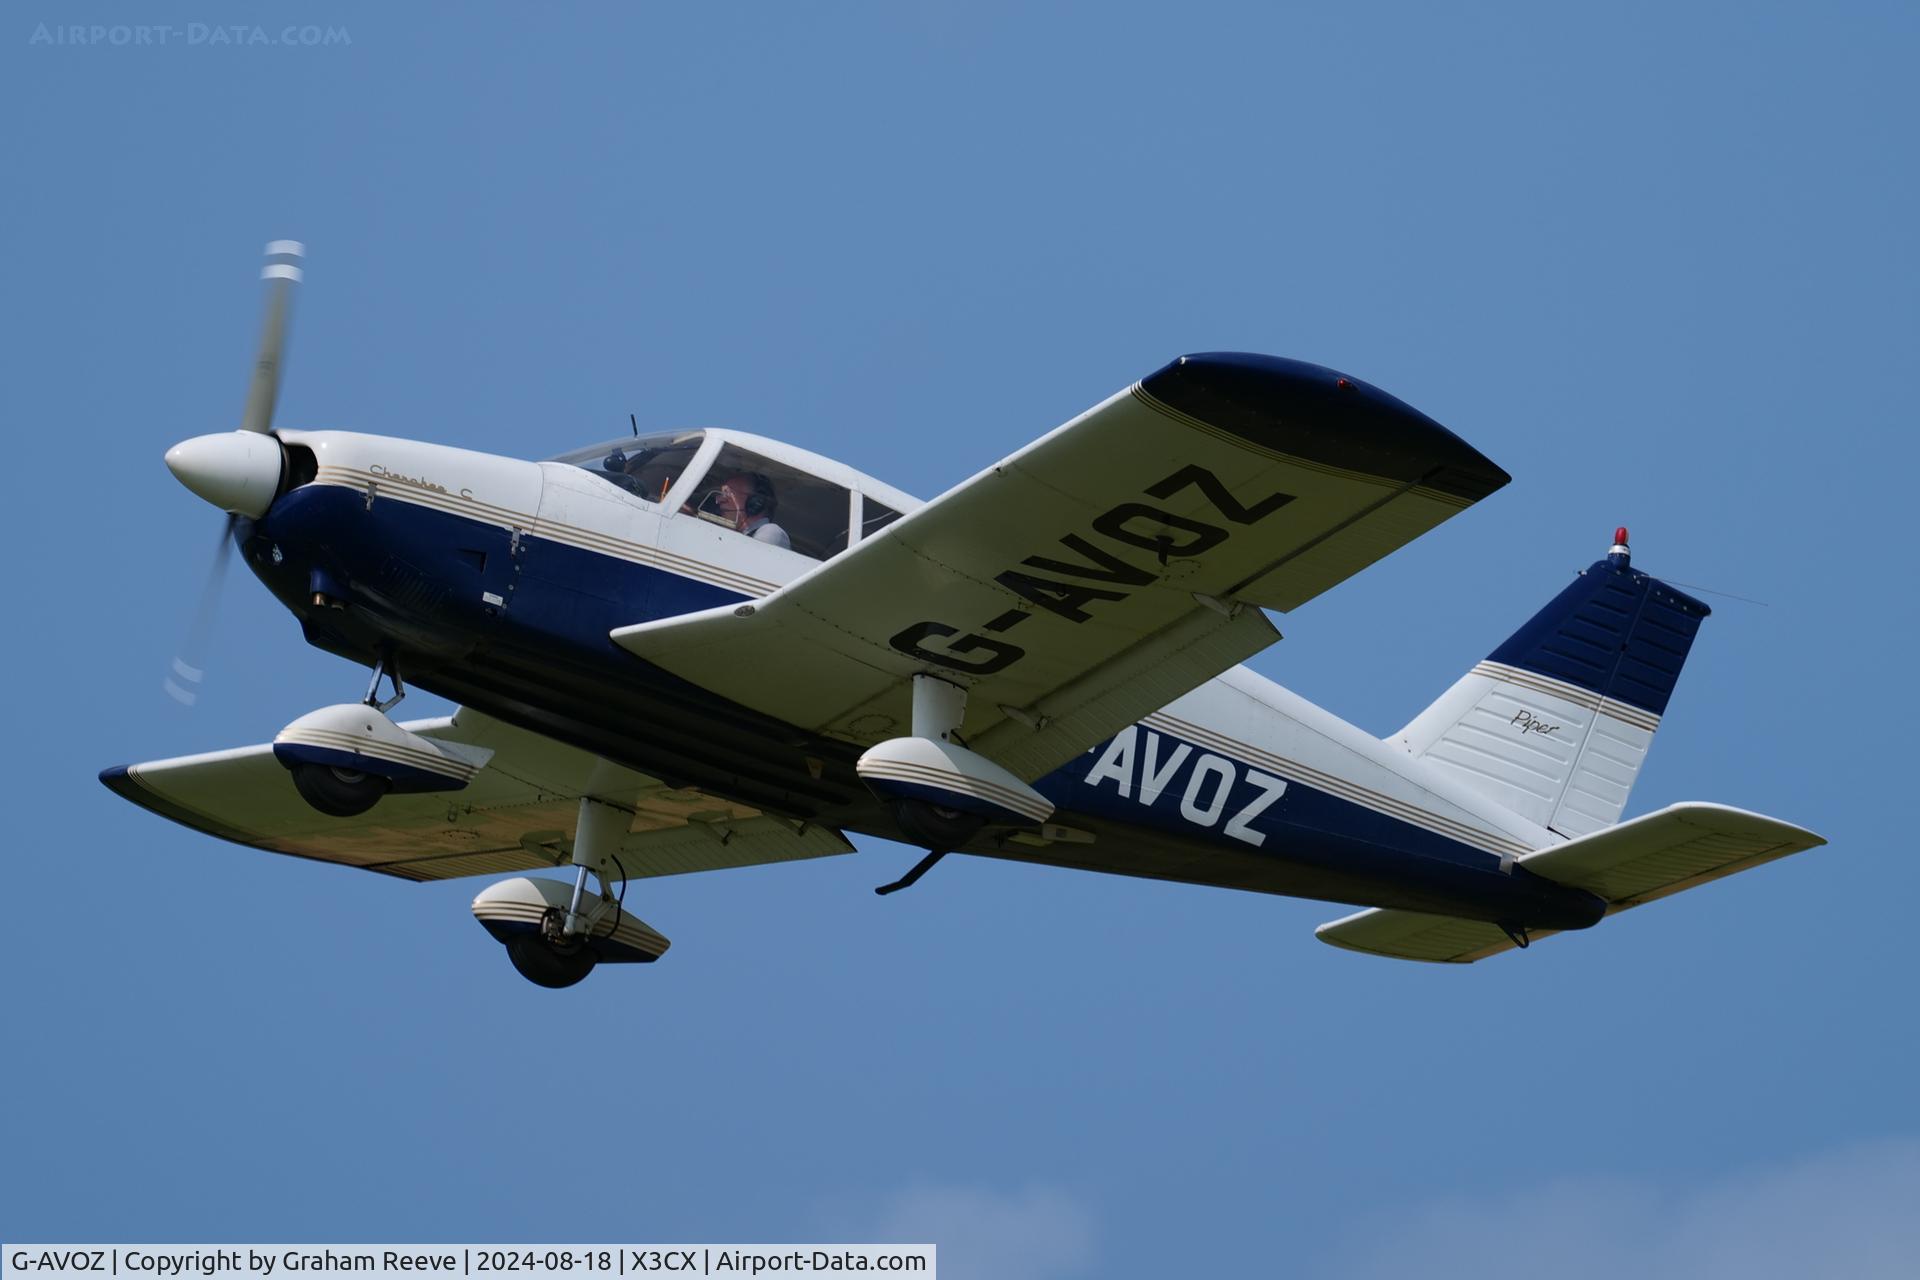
(747, 501)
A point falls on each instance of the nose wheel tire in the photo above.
(340, 793)
(545, 965)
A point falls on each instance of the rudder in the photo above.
(1556, 723)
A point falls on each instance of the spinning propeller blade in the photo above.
(281, 273)
(183, 678)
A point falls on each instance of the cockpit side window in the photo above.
(772, 502)
(646, 466)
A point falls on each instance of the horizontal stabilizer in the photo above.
(1677, 848)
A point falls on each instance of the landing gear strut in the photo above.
(387, 666)
(939, 707)
(561, 952)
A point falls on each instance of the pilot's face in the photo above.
(733, 500)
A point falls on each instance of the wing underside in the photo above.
(515, 815)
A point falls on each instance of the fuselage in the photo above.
(495, 582)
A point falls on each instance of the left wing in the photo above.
(1101, 571)
(514, 815)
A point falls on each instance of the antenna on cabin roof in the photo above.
(636, 425)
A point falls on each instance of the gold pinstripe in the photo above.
(396, 752)
(957, 781)
(1638, 717)
(1295, 771)
(553, 531)
(372, 746)
(527, 913)
(980, 789)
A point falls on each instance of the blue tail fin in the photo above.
(1556, 723)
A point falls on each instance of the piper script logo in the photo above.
(1528, 723)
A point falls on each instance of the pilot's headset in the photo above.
(761, 501)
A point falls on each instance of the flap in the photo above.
(517, 814)
(1661, 853)
(1100, 572)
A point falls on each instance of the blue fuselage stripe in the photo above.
(433, 569)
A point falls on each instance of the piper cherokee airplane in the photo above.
(703, 649)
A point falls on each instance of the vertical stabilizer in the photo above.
(1556, 723)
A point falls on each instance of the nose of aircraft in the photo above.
(237, 471)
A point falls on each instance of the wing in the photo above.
(1100, 572)
(1636, 862)
(513, 816)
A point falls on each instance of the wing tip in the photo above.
(125, 783)
(1324, 416)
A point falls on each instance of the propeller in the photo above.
(281, 273)
(183, 678)
(237, 471)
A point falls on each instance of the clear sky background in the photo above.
(1658, 261)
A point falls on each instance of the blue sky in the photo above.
(1655, 260)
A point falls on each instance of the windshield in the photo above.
(645, 466)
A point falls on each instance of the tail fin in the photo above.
(1556, 723)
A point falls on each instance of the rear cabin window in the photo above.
(772, 502)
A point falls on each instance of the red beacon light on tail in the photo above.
(1619, 552)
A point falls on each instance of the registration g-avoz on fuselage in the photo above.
(689, 650)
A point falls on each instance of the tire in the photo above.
(934, 827)
(540, 963)
(337, 792)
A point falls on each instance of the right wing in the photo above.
(515, 814)
(1636, 862)
(1098, 573)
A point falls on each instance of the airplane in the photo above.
(692, 650)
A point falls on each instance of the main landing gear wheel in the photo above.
(933, 826)
(544, 965)
(551, 958)
(341, 793)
